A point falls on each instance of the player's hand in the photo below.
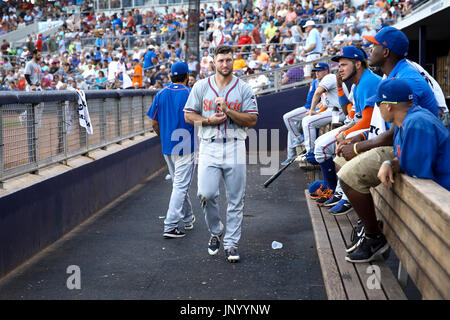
(221, 104)
(339, 80)
(340, 145)
(386, 175)
(217, 118)
(311, 112)
(347, 151)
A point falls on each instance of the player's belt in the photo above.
(222, 140)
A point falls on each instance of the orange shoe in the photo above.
(326, 195)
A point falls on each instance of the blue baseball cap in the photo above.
(179, 68)
(394, 90)
(392, 39)
(350, 52)
(321, 66)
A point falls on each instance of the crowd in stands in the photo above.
(134, 48)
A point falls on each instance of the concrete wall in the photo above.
(36, 216)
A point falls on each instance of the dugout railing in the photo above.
(38, 129)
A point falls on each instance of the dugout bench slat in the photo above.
(344, 280)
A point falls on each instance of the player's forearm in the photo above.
(195, 119)
(316, 98)
(243, 119)
(383, 140)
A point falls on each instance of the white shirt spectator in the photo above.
(340, 38)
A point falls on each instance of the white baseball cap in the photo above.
(309, 23)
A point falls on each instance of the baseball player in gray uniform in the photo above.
(223, 107)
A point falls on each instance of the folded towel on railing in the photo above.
(83, 112)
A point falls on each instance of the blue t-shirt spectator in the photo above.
(148, 59)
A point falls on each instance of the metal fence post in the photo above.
(62, 130)
(131, 118)
(2, 146)
(103, 122)
(31, 135)
(119, 119)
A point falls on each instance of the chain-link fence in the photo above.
(38, 129)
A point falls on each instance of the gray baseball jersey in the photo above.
(238, 96)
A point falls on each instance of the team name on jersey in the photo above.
(234, 105)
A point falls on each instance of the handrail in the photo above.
(38, 129)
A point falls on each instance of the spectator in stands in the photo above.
(39, 43)
(313, 46)
(138, 75)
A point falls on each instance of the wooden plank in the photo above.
(389, 283)
(361, 268)
(433, 242)
(331, 277)
(416, 274)
(419, 254)
(428, 199)
(350, 278)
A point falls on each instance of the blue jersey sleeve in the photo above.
(312, 90)
(152, 113)
(416, 152)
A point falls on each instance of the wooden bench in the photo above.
(344, 280)
(416, 217)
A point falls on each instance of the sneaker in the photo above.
(232, 254)
(214, 245)
(190, 225)
(356, 237)
(337, 196)
(369, 249)
(285, 162)
(318, 193)
(174, 233)
(342, 207)
(326, 195)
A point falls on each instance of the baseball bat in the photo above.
(277, 174)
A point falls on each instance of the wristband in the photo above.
(364, 136)
(388, 162)
(209, 121)
(343, 135)
(354, 148)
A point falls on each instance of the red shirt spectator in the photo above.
(39, 43)
(245, 39)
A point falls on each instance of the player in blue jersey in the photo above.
(421, 142)
(177, 140)
(361, 156)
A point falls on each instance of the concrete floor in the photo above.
(121, 253)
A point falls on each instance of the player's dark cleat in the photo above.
(326, 195)
(337, 196)
(214, 245)
(190, 225)
(356, 237)
(369, 249)
(342, 207)
(174, 233)
(232, 255)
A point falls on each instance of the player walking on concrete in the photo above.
(177, 139)
(225, 107)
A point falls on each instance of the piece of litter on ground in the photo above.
(277, 245)
(162, 217)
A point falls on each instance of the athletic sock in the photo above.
(329, 173)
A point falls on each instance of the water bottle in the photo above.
(277, 245)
